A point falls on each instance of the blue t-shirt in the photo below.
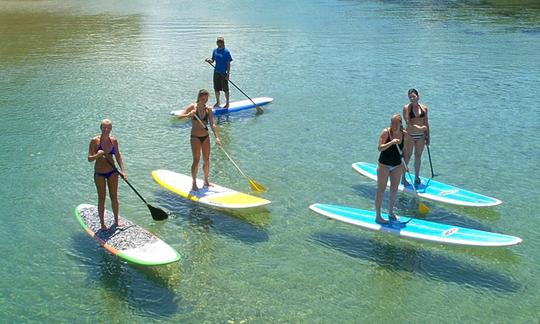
(221, 56)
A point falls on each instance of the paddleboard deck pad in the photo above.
(213, 196)
(130, 243)
(235, 106)
(416, 228)
(434, 190)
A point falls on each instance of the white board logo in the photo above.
(450, 231)
(448, 192)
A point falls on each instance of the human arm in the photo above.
(382, 139)
(213, 125)
(427, 125)
(118, 157)
(406, 114)
(93, 152)
(187, 112)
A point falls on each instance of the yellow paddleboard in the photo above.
(214, 196)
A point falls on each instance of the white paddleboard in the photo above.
(130, 243)
(235, 106)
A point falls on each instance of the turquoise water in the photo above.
(337, 70)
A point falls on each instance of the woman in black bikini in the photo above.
(416, 117)
(389, 166)
(102, 148)
(201, 115)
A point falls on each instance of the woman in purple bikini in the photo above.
(389, 166)
(102, 148)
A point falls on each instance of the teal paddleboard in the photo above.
(416, 228)
(434, 190)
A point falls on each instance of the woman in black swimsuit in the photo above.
(102, 148)
(416, 116)
(201, 115)
(389, 166)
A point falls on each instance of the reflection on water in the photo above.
(148, 291)
(401, 257)
(30, 37)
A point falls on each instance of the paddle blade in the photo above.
(259, 110)
(255, 186)
(157, 213)
(422, 208)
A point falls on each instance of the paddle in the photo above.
(157, 213)
(255, 186)
(430, 164)
(259, 109)
(422, 208)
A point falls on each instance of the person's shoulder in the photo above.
(95, 139)
(425, 107)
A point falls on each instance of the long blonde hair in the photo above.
(201, 93)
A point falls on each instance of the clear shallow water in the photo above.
(337, 70)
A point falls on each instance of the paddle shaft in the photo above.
(408, 173)
(237, 167)
(129, 184)
(253, 102)
(430, 164)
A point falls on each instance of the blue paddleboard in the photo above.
(415, 228)
(235, 106)
(434, 190)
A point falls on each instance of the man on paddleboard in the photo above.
(222, 57)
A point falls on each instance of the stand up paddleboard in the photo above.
(213, 196)
(130, 243)
(235, 106)
(434, 190)
(415, 228)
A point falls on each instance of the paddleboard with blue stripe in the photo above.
(416, 228)
(235, 106)
(434, 190)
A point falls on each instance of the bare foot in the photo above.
(104, 228)
(119, 225)
(194, 187)
(380, 220)
(208, 184)
(226, 106)
(393, 217)
(216, 105)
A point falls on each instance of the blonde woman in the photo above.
(101, 150)
(389, 166)
(201, 116)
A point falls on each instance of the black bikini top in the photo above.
(411, 112)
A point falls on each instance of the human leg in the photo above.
(382, 180)
(101, 191)
(196, 152)
(407, 152)
(205, 148)
(395, 176)
(418, 150)
(112, 183)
